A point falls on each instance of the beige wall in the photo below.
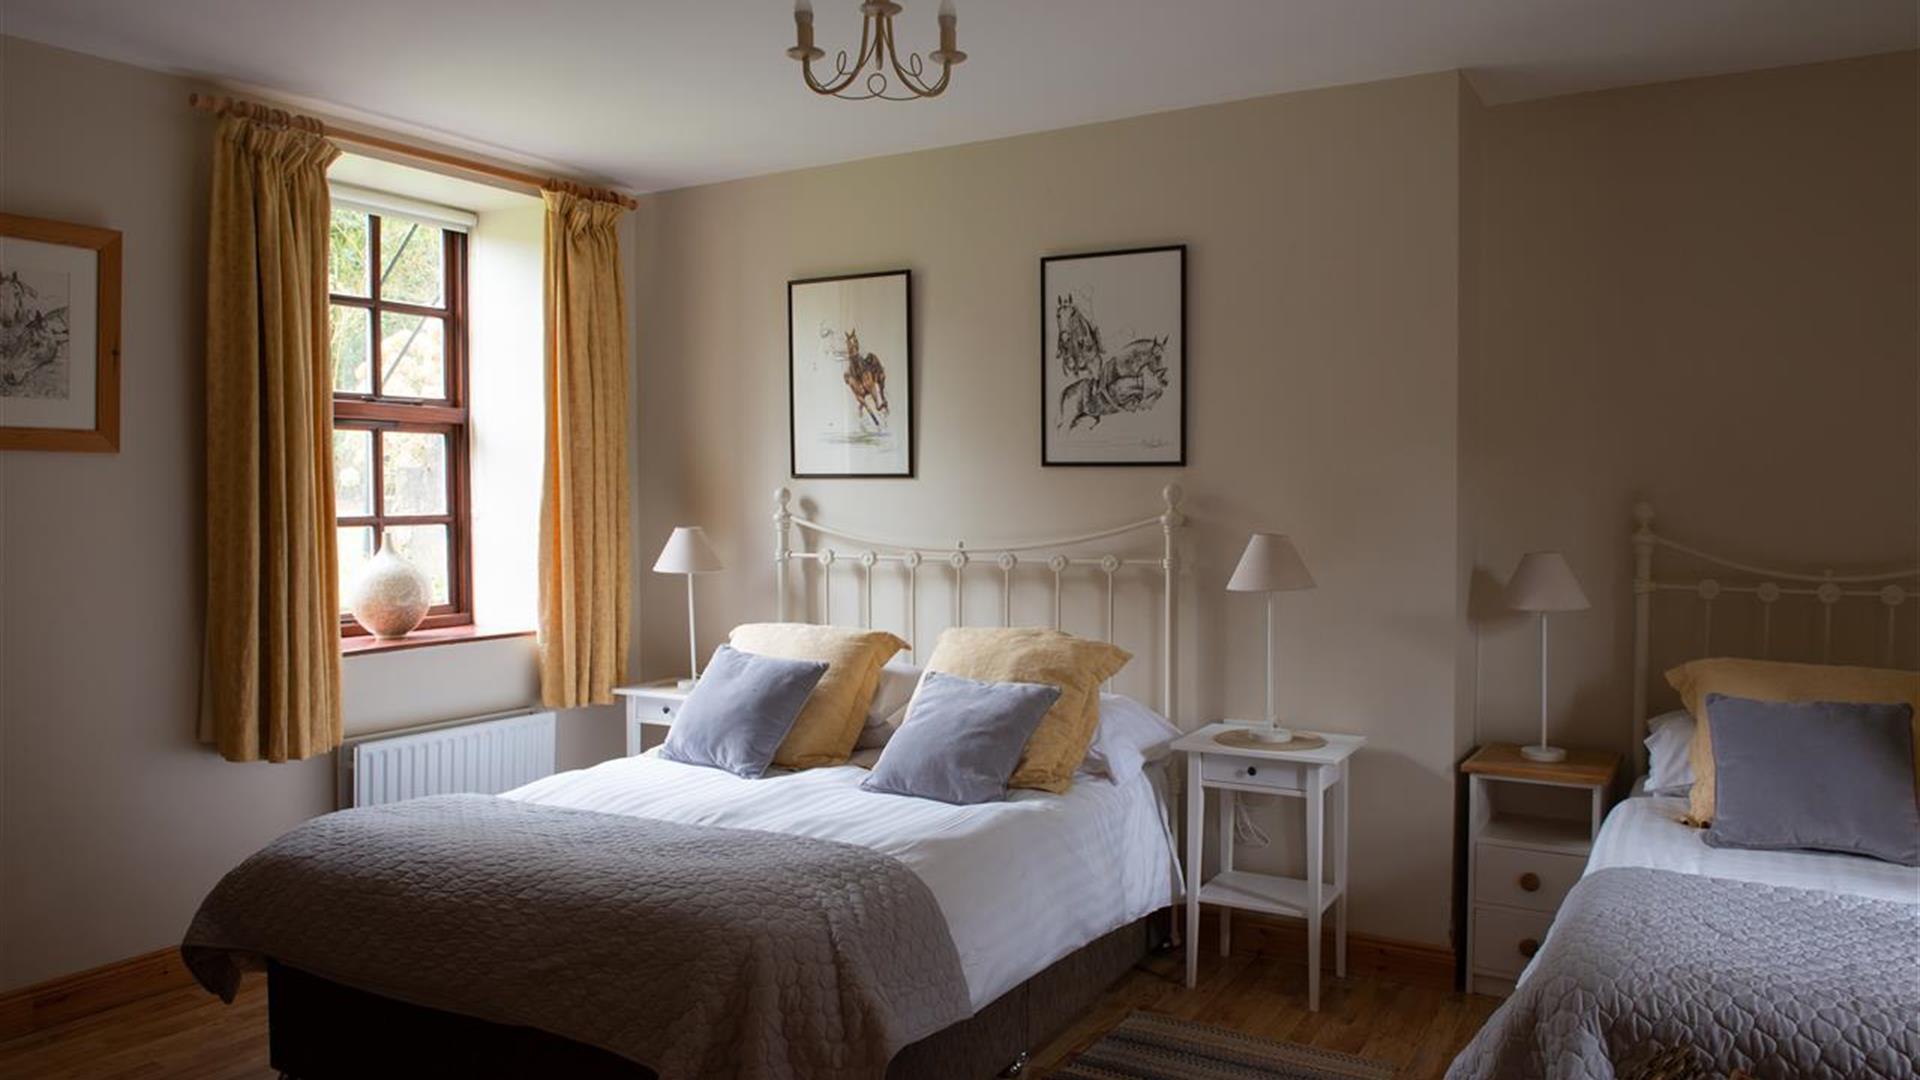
(1323, 277)
(113, 822)
(1701, 293)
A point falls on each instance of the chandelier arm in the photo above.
(911, 76)
(843, 75)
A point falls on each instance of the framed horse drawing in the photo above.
(850, 375)
(1113, 357)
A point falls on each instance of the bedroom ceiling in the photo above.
(654, 94)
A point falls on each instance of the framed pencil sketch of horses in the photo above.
(850, 375)
(1113, 357)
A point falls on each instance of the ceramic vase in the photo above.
(392, 596)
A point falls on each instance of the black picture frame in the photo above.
(1176, 377)
(900, 406)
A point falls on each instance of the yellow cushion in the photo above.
(830, 723)
(1776, 680)
(1075, 665)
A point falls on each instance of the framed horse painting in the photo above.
(1113, 357)
(850, 375)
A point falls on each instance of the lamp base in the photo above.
(684, 684)
(1543, 753)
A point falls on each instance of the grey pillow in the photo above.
(1816, 775)
(961, 739)
(740, 710)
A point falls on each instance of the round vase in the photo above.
(392, 596)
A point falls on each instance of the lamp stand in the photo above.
(693, 642)
(1274, 731)
(1542, 751)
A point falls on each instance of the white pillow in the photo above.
(897, 682)
(1669, 770)
(1129, 736)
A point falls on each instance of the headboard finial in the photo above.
(1643, 515)
(781, 497)
(1173, 495)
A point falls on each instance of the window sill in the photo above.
(365, 644)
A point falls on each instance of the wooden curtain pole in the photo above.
(219, 104)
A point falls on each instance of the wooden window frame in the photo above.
(450, 416)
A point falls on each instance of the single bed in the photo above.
(1047, 898)
(1782, 963)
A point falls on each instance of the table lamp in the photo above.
(1270, 565)
(1543, 582)
(688, 552)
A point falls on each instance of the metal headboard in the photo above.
(1767, 588)
(1056, 554)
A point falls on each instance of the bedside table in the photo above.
(1530, 828)
(649, 703)
(1311, 775)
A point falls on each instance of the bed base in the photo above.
(321, 1030)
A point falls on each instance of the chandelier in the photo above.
(891, 77)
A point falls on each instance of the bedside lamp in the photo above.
(1543, 582)
(688, 552)
(1270, 565)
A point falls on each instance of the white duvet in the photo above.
(1022, 883)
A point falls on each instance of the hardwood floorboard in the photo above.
(1417, 1028)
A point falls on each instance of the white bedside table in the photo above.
(649, 703)
(1311, 775)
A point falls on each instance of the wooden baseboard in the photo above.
(69, 997)
(1406, 961)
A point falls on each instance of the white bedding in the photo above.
(1022, 883)
(1646, 831)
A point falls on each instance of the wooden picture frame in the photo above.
(1113, 354)
(850, 376)
(59, 336)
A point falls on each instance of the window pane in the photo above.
(356, 548)
(353, 473)
(415, 476)
(413, 356)
(412, 261)
(347, 253)
(351, 372)
(425, 546)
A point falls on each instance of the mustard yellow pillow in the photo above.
(1777, 680)
(830, 722)
(1075, 665)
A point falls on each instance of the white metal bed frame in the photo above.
(1767, 587)
(1056, 553)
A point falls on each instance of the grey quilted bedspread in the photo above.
(697, 951)
(1780, 982)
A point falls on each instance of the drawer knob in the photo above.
(1530, 882)
(1529, 946)
(666, 710)
(1252, 771)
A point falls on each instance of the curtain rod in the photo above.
(219, 104)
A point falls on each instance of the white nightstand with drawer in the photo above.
(1530, 828)
(1319, 777)
(650, 704)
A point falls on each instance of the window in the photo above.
(398, 292)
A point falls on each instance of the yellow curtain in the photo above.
(270, 680)
(585, 561)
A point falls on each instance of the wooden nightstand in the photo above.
(1530, 828)
(655, 703)
(1309, 775)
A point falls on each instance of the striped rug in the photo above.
(1146, 1046)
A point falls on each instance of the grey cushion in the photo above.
(740, 710)
(961, 739)
(1818, 775)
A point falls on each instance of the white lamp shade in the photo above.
(1544, 582)
(1270, 564)
(687, 552)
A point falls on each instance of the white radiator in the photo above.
(485, 756)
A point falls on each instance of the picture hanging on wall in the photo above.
(1113, 357)
(59, 336)
(850, 375)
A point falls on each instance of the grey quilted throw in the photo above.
(1780, 982)
(697, 951)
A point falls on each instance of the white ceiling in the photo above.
(655, 94)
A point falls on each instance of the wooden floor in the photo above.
(188, 1033)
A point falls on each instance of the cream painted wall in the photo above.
(1702, 293)
(1323, 263)
(113, 821)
